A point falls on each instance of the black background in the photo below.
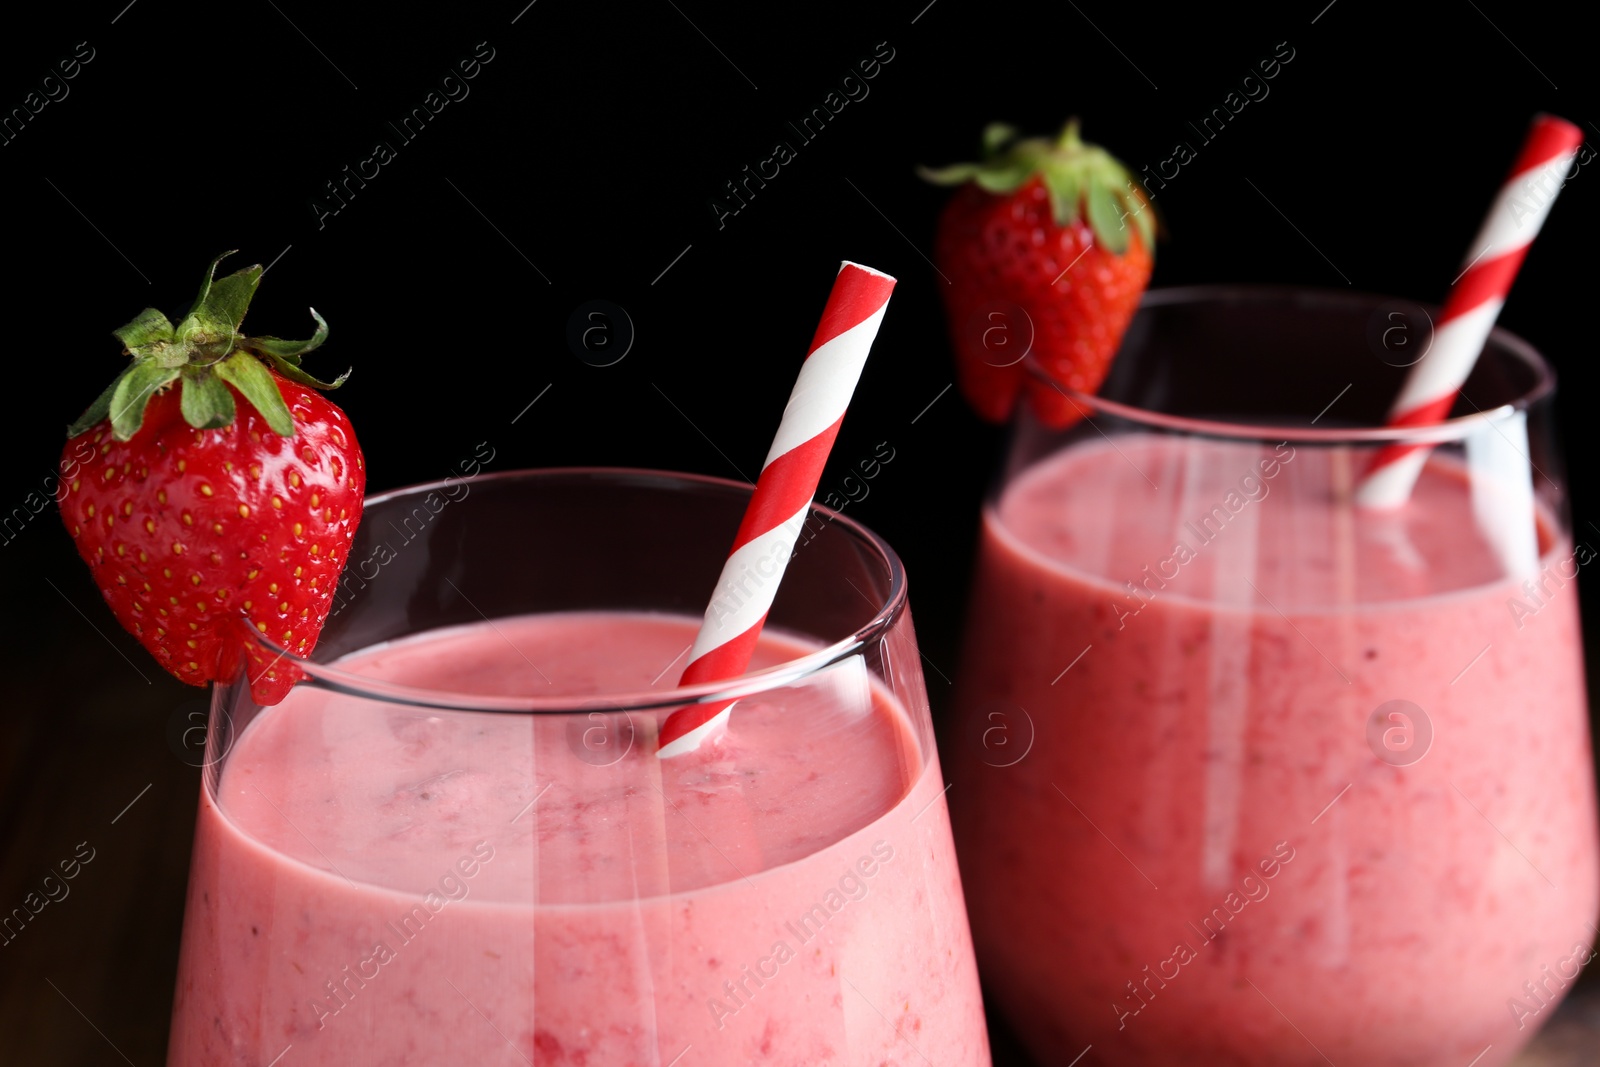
(582, 166)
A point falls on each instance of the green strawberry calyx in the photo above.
(205, 353)
(1078, 176)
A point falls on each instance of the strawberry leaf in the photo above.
(230, 297)
(291, 351)
(1076, 174)
(217, 316)
(207, 404)
(98, 410)
(955, 174)
(247, 374)
(206, 283)
(293, 372)
(149, 326)
(1003, 179)
(132, 392)
(1065, 191)
(170, 353)
(1105, 218)
(996, 136)
(1143, 216)
(210, 353)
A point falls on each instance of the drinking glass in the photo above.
(1247, 773)
(453, 841)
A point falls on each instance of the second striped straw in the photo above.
(1474, 302)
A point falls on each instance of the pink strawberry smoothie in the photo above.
(376, 884)
(1201, 859)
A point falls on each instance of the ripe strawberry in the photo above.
(1059, 231)
(201, 517)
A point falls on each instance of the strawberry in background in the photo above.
(1059, 230)
(212, 490)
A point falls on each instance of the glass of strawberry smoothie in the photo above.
(453, 842)
(1245, 774)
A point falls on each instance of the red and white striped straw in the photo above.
(782, 497)
(1474, 302)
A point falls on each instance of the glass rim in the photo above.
(1453, 429)
(332, 679)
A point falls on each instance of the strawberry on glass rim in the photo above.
(1059, 231)
(221, 494)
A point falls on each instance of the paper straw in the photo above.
(1474, 302)
(781, 500)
